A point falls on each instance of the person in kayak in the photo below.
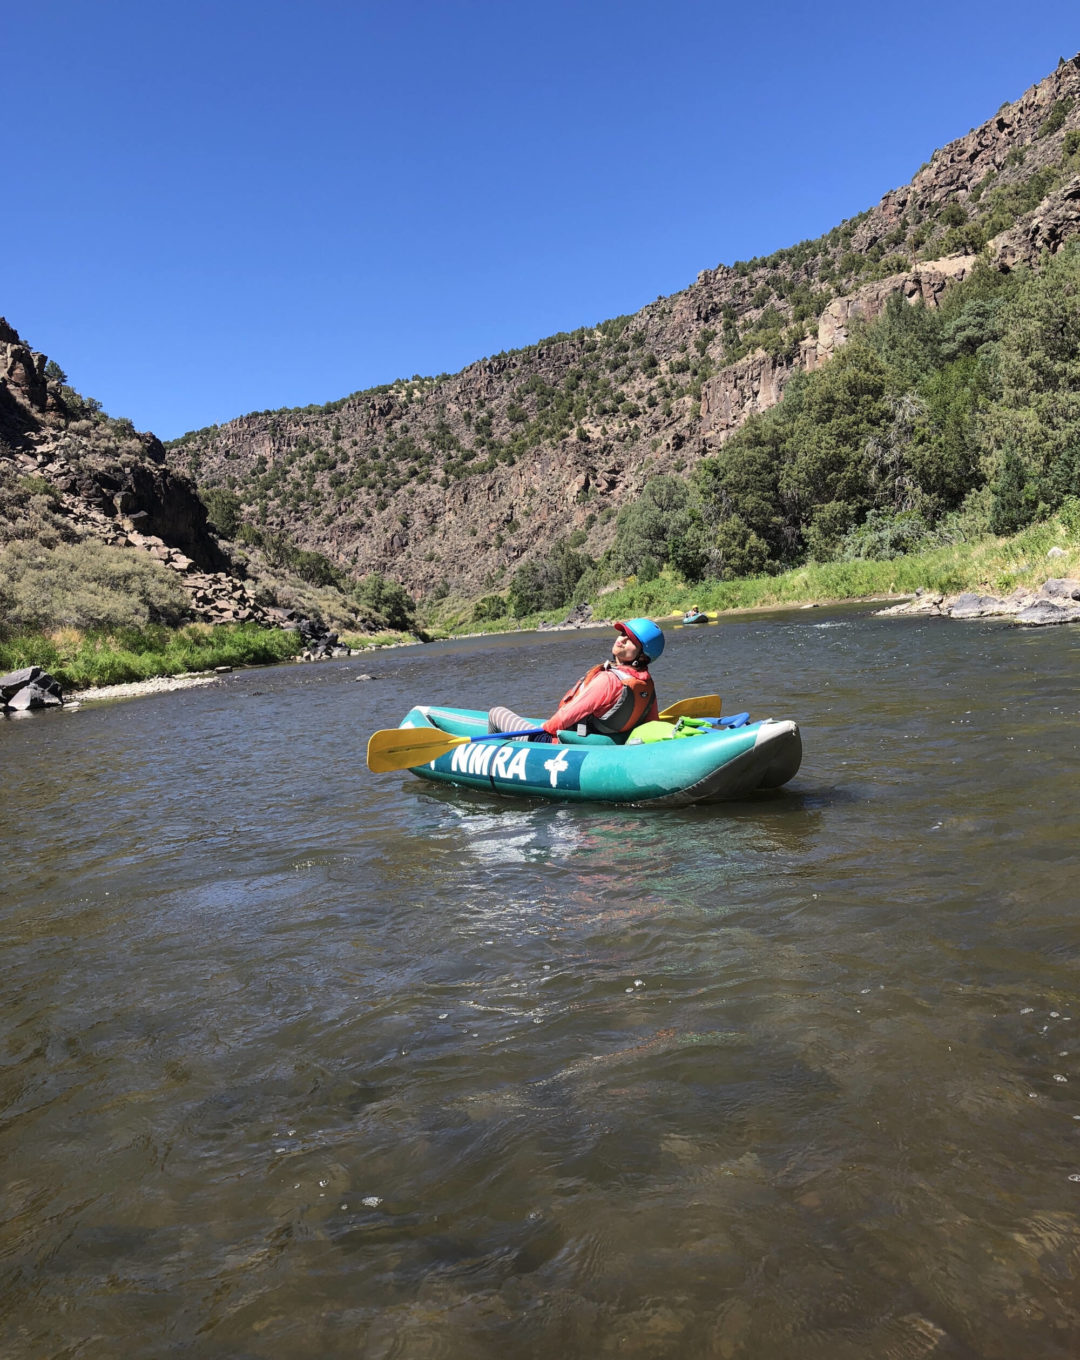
(612, 698)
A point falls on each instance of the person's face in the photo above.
(625, 650)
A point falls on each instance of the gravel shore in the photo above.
(158, 685)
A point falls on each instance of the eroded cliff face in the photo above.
(95, 478)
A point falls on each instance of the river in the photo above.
(300, 1061)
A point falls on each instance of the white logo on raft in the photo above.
(553, 766)
(484, 757)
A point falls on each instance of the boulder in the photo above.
(11, 683)
(29, 688)
(923, 603)
(1057, 588)
(972, 606)
(1045, 611)
(579, 616)
(35, 695)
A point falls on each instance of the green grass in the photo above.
(456, 620)
(818, 581)
(995, 566)
(82, 659)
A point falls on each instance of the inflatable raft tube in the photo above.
(713, 767)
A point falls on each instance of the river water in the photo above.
(299, 1061)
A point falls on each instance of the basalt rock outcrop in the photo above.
(29, 688)
(1055, 221)
(1056, 601)
(450, 483)
(317, 641)
(102, 464)
(103, 480)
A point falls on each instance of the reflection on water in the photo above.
(301, 1062)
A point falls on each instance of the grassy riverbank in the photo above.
(80, 659)
(995, 566)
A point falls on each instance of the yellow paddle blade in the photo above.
(704, 706)
(400, 748)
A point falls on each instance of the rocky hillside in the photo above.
(70, 474)
(451, 482)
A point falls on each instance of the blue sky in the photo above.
(218, 208)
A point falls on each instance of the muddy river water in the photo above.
(297, 1061)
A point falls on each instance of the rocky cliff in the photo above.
(449, 483)
(69, 473)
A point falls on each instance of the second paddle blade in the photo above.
(704, 706)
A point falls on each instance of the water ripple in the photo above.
(300, 1062)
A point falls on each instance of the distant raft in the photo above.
(695, 616)
(727, 763)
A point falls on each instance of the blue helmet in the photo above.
(646, 634)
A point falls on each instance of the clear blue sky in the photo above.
(218, 208)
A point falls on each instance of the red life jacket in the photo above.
(637, 697)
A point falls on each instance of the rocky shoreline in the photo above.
(1056, 601)
(32, 688)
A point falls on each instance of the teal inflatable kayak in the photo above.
(722, 764)
(699, 617)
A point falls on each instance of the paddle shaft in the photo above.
(677, 710)
(404, 748)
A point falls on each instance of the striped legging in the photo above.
(506, 720)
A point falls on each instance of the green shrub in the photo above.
(39, 486)
(884, 535)
(547, 582)
(1015, 502)
(282, 553)
(222, 510)
(1055, 119)
(79, 407)
(647, 526)
(86, 585)
(1069, 514)
(386, 603)
(489, 608)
